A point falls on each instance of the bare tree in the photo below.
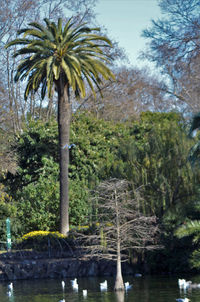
(133, 92)
(7, 156)
(174, 45)
(120, 225)
(184, 84)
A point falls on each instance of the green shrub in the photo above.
(42, 241)
(195, 259)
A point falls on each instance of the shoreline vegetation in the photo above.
(136, 150)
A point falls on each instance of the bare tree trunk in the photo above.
(40, 109)
(119, 285)
(49, 108)
(64, 115)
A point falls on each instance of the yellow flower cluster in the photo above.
(42, 234)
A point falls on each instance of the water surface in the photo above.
(144, 289)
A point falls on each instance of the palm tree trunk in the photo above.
(64, 116)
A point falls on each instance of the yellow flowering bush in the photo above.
(42, 234)
(43, 240)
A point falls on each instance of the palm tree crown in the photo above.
(72, 52)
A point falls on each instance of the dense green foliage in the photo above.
(151, 152)
(191, 228)
(155, 156)
(35, 185)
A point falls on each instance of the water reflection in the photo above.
(11, 296)
(119, 296)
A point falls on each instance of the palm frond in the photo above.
(59, 26)
(188, 229)
(68, 26)
(17, 42)
(67, 72)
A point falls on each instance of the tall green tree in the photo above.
(194, 154)
(65, 58)
(192, 227)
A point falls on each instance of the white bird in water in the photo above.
(10, 286)
(104, 285)
(63, 300)
(183, 284)
(74, 284)
(84, 292)
(183, 300)
(127, 285)
(63, 285)
(10, 289)
(195, 285)
(74, 281)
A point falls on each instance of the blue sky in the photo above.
(125, 20)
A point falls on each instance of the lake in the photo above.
(144, 289)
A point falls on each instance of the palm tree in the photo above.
(65, 57)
